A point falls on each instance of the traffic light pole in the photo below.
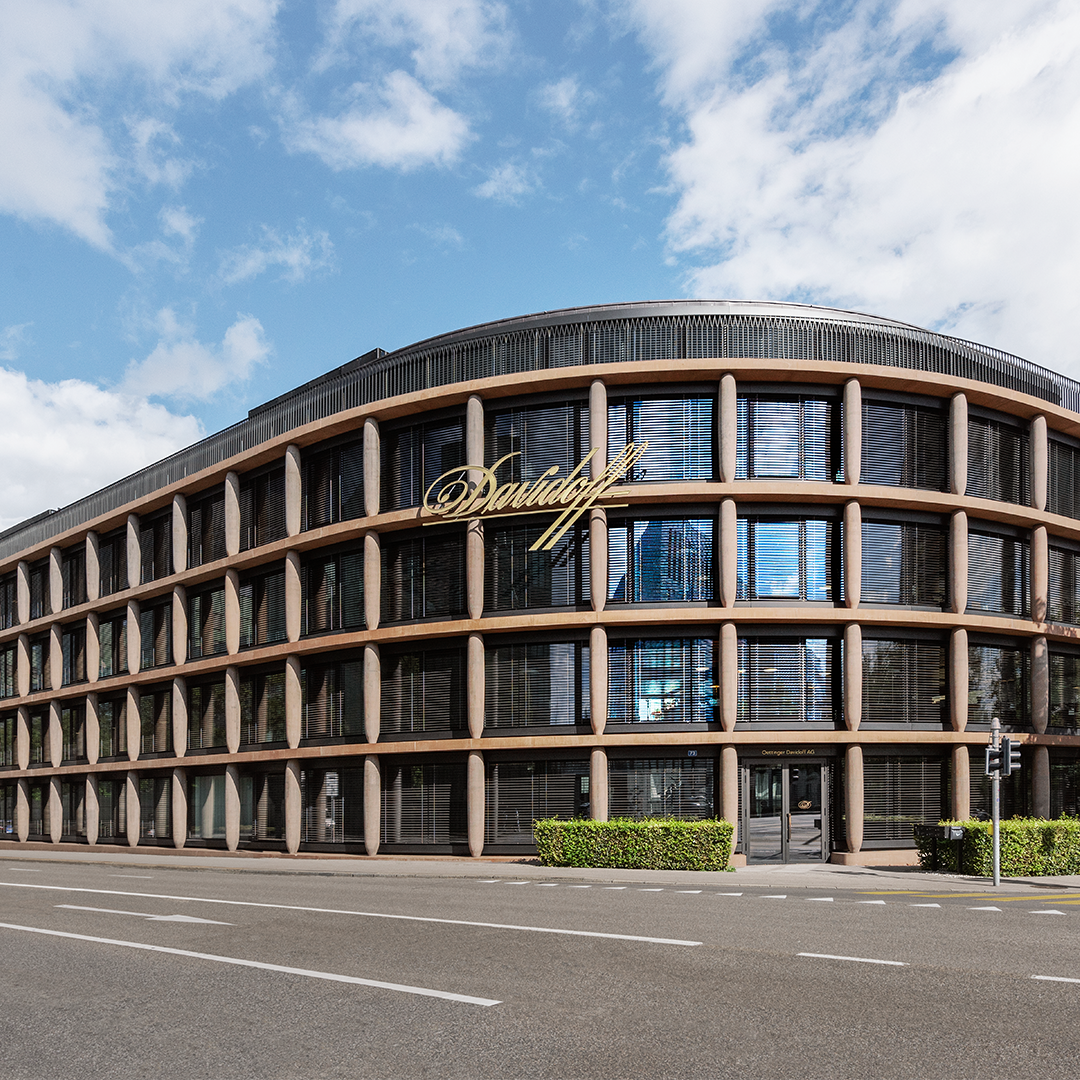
(995, 800)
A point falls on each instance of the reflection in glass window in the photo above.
(904, 446)
(679, 431)
(543, 437)
(903, 684)
(903, 563)
(786, 682)
(998, 569)
(998, 686)
(1064, 690)
(662, 560)
(786, 439)
(1063, 594)
(662, 787)
(516, 578)
(537, 684)
(997, 461)
(414, 457)
(792, 560)
(662, 681)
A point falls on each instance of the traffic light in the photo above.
(1010, 757)
(994, 759)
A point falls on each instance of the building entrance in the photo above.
(785, 812)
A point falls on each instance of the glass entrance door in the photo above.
(785, 812)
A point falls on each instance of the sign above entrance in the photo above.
(455, 497)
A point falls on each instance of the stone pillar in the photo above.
(474, 569)
(961, 784)
(958, 444)
(294, 596)
(22, 591)
(958, 679)
(134, 637)
(853, 676)
(293, 807)
(133, 722)
(598, 786)
(232, 612)
(729, 553)
(1040, 684)
(232, 709)
(598, 557)
(1040, 782)
(372, 466)
(728, 435)
(56, 657)
(232, 806)
(294, 491)
(729, 675)
(22, 810)
(958, 562)
(372, 692)
(852, 431)
(55, 736)
(475, 802)
(179, 624)
(372, 579)
(853, 796)
(294, 702)
(1040, 573)
(56, 811)
(372, 803)
(134, 810)
(1040, 453)
(852, 554)
(134, 552)
(179, 807)
(179, 533)
(474, 681)
(93, 810)
(598, 679)
(22, 737)
(93, 567)
(179, 715)
(93, 729)
(22, 664)
(729, 790)
(93, 647)
(232, 513)
(56, 581)
(474, 437)
(598, 433)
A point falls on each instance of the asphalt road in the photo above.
(482, 977)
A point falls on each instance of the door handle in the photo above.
(789, 828)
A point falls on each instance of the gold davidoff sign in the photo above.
(455, 497)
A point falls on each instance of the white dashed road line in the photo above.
(853, 959)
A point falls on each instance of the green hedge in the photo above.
(652, 844)
(1030, 847)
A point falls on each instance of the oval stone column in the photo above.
(293, 701)
(56, 735)
(1040, 781)
(598, 784)
(134, 637)
(294, 597)
(853, 797)
(179, 807)
(294, 491)
(853, 673)
(22, 737)
(598, 433)
(56, 657)
(93, 567)
(93, 810)
(852, 431)
(93, 729)
(1040, 685)
(1040, 453)
(232, 514)
(56, 811)
(22, 664)
(22, 591)
(179, 533)
(372, 803)
(598, 680)
(133, 809)
(958, 444)
(1040, 573)
(474, 682)
(372, 466)
(958, 678)
(372, 579)
(232, 612)
(961, 784)
(729, 553)
(232, 805)
(134, 552)
(56, 581)
(474, 569)
(179, 715)
(729, 675)
(852, 554)
(729, 790)
(475, 803)
(958, 562)
(93, 647)
(727, 417)
(179, 625)
(372, 692)
(22, 809)
(293, 807)
(598, 558)
(232, 709)
(133, 723)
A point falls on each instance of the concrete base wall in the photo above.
(883, 857)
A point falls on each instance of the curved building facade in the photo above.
(774, 563)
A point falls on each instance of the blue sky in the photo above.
(203, 204)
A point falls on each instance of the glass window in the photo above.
(423, 691)
(414, 457)
(332, 802)
(423, 577)
(9, 601)
(787, 682)
(262, 707)
(73, 574)
(262, 609)
(998, 574)
(206, 623)
(155, 546)
(9, 672)
(333, 485)
(661, 560)
(899, 793)
(262, 509)
(262, 806)
(787, 439)
(681, 433)
(1063, 490)
(516, 578)
(904, 446)
(206, 806)
(903, 563)
(537, 685)
(521, 792)
(112, 638)
(1064, 690)
(112, 562)
(1063, 593)
(997, 462)
(155, 807)
(206, 530)
(998, 686)
(424, 804)
(112, 727)
(792, 560)
(662, 681)
(543, 437)
(73, 732)
(662, 787)
(903, 684)
(333, 699)
(155, 720)
(333, 592)
(155, 635)
(206, 715)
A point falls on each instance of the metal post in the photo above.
(995, 799)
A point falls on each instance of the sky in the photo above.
(204, 204)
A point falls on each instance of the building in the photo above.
(411, 606)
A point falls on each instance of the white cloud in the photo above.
(176, 221)
(182, 367)
(442, 234)
(11, 337)
(62, 440)
(507, 183)
(299, 255)
(835, 172)
(397, 125)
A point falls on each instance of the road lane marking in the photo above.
(821, 899)
(1054, 978)
(1048, 911)
(517, 883)
(688, 892)
(145, 915)
(615, 888)
(141, 877)
(924, 905)
(24, 869)
(330, 976)
(489, 881)
(547, 884)
(579, 886)
(781, 896)
(650, 890)
(869, 901)
(361, 914)
(729, 894)
(984, 909)
(853, 959)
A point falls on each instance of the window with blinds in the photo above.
(423, 691)
(787, 560)
(39, 590)
(8, 801)
(39, 663)
(73, 732)
(155, 632)
(662, 560)
(112, 562)
(112, 641)
(332, 806)
(543, 436)
(9, 600)
(517, 793)
(516, 578)
(9, 727)
(39, 810)
(112, 727)
(899, 793)
(1064, 787)
(206, 714)
(206, 530)
(262, 609)
(262, 807)
(333, 484)
(155, 807)
(9, 671)
(904, 446)
(1063, 480)
(681, 433)
(206, 623)
(1063, 586)
(904, 563)
(262, 707)
(155, 547)
(904, 684)
(997, 462)
(39, 735)
(333, 699)
(155, 720)
(1015, 793)
(787, 438)
(423, 577)
(662, 787)
(262, 509)
(112, 810)
(998, 680)
(662, 681)
(1064, 690)
(414, 457)
(206, 806)
(999, 570)
(333, 592)
(785, 682)
(73, 576)
(424, 804)
(73, 809)
(537, 685)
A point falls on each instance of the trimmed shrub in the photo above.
(651, 844)
(1030, 847)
